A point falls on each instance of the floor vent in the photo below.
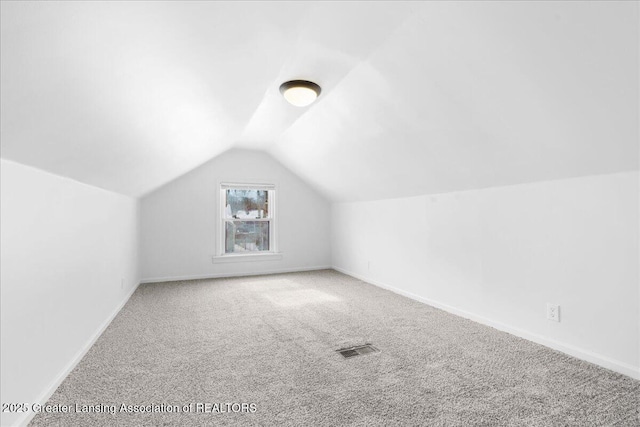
(357, 351)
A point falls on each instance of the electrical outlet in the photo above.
(553, 312)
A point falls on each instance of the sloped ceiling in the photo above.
(417, 97)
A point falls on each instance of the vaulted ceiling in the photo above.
(418, 97)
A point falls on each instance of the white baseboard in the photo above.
(240, 274)
(580, 353)
(44, 397)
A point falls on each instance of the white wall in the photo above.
(180, 221)
(69, 261)
(499, 255)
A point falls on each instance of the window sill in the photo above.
(270, 256)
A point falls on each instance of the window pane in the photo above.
(247, 204)
(246, 236)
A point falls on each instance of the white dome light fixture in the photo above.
(300, 92)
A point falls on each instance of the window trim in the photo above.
(272, 253)
(264, 256)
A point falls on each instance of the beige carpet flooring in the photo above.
(265, 347)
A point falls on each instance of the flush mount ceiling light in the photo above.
(300, 92)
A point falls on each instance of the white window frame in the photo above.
(272, 253)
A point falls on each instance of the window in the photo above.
(247, 219)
